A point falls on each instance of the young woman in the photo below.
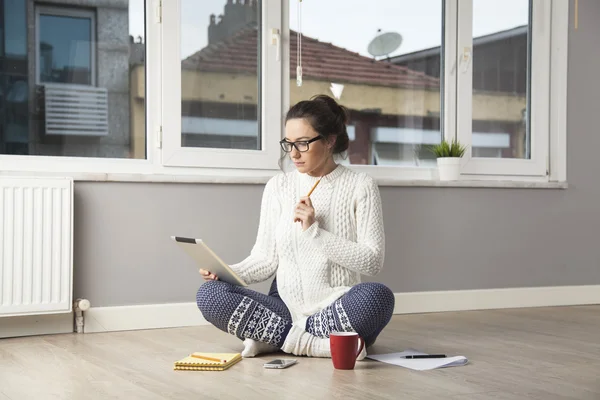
(317, 247)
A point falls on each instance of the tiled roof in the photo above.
(320, 61)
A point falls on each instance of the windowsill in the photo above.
(261, 179)
(474, 184)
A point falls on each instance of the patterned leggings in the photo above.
(365, 309)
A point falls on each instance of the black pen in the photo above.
(426, 356)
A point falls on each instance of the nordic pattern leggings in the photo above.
(365, 309)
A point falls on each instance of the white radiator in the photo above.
(36, 245)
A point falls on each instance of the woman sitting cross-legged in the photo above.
(317, 247)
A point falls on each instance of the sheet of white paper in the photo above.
(422, 364)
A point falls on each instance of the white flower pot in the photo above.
(449, 168)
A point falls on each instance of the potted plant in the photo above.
(448, 159)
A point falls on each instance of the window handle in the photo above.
(275, 41)
(467, 55)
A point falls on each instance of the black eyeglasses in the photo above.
(301, 145)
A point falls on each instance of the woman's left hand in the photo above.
(305, 213)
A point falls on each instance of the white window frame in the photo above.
(172, 164)
(448, 96)
(270, 110)
(549, 30)
(65, 12)
(548, 98)
(102, 169)
(150, 169)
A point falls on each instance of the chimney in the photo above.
(237, 15)
(212, 30)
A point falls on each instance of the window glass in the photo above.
(220, 70)
(65, 49)
(383, 61)
(501, 65)
(72, 82)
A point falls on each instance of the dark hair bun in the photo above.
(326, 116)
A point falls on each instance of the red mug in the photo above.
(344, 347)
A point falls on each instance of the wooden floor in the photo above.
(542, 353)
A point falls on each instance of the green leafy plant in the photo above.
(445, 149)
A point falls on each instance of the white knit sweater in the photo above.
(317, 266)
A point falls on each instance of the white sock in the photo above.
(301, 343)
(363, 354)
(254, 347)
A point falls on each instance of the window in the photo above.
(220, 73)
(65, 46)
(496, 101)
(13, 41)
(229, 74)
(84, 93)
(384, 63)
(501, 85)
(504, 97)
(201, 87)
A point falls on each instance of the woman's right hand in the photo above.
(208, 276)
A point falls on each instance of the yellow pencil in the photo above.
(308, 195)
(208, 358)
(313, 188)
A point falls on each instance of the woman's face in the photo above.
(299, 131)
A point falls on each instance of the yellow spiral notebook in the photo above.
(207, 362)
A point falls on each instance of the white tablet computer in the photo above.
(208, 260)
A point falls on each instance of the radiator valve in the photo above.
(80, 306)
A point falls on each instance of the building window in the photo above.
(65, 46)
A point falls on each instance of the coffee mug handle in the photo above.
(362, 344)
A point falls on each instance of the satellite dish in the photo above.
(384, 44)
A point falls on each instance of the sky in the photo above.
(352, 24)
